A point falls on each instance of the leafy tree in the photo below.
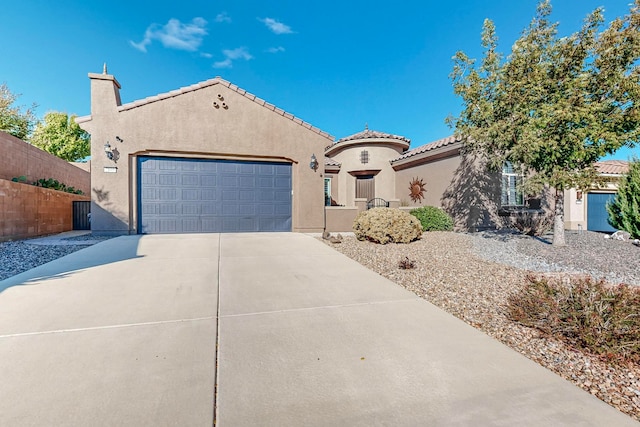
(624, 211)
(554, 105)
(12, 119)
(61, 136)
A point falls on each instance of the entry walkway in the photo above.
(125, 333)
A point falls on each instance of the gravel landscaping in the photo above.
(19, 256)
(472, 275)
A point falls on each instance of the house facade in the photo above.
(212, 157)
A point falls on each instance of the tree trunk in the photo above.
(558, 220)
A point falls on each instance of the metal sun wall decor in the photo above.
(416, 189)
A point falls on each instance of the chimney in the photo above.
(105, 93)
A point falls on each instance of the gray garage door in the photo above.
(597, 214)
(215, 196)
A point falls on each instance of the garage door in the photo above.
(200, 196)
(597, 214)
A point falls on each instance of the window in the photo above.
(327, 191)
(511, 186)
(364, 157)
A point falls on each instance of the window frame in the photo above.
(511, 194)
(327, 191)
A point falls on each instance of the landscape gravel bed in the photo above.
(19, 256)
(472, 275)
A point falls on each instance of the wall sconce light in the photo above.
(313, 164)
(108, 151)
(579, 196)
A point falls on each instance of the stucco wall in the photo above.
(437, 176)
(379, 157)
(188, 125)
(29, 211)
(18, 158)
(458, 183)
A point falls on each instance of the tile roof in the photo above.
(428, 147)
(612, 167)
(330, 162)
(223, 82)
(368, 134)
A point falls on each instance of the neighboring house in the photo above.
(213, 158)
(585, 209)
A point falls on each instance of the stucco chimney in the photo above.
(105, 93)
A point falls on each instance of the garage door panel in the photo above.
(168, 194)
(229, 195)
(191, 209)
(208, 194)
(191, 225)
(282, 196)
(167, 208)
(190, 179)
(195, 195)
(191, 194)
(208, 180)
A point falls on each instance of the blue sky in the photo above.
(336, 64)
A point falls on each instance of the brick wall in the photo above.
(17, 158)
(30, 211)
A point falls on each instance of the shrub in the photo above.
(532, 223)
(593, 315)
(624, 212)
(384, 225)
(433, 218)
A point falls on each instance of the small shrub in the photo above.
(21, 178)
(532, 223)
(406, 264)
(433, 218)
(385, 225)
(593, 315)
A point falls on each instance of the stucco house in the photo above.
(212, 157)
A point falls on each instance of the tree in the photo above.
(555, 105)
(61, 136)
(12, 119)
(624, 211)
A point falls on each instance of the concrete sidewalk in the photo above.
(124, 333)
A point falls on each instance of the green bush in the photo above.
(433, 218)
(385, 225)
(593, 315)
(624, 212)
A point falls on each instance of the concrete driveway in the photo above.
(125, 333)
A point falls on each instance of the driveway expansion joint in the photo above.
(323, 307)
(97, 328)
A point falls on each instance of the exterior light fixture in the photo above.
(313, 164)
(107, 150)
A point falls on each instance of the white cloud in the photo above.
(227, 63)
(275, 49)
(275, 26)
(206, 55)
(231, 55)
(175, 35)
(223, 17)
